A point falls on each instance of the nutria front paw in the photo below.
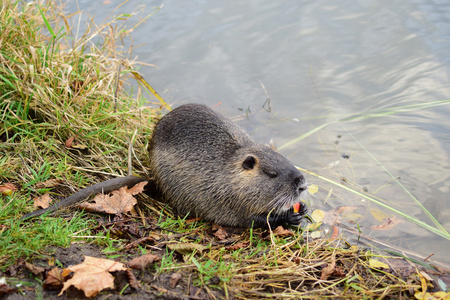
(295, 218)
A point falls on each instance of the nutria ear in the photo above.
(249, 162)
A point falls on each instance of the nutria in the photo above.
(206, 166)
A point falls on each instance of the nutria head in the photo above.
(267, 178)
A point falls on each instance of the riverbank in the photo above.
(75, 112)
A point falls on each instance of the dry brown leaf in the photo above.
(121, 201)
(55, 278)
(7, 189)
(238, 246)
(141, 262)
(134, 283)
(69, 142)
(186, 248)
(280, 231)
(5, 289)
(72, 143)
(34, 269)
(93, 275)
(328, 270)
(144, 240)
(48, 183)
(388, 224)
(174, 280)
(43, 201)
(334, 232)
(221, 234)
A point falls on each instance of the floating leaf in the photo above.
(352, 217)
(379, 215)
(313, 226)
(316, 234)
(335, 215)
(388, 224)
(312, 189)
(334, 232)
(317, 215)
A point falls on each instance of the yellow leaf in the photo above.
(312, 189)
(313, 226)
(316, 234)
(373, 263)
(379, 215)
(355, 217)
(317, 215)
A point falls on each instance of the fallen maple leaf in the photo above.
(93, 275)
(141, 262)
(121, 201)
(43, 201)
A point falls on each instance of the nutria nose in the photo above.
(299, 182)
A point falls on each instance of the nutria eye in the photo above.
(249, 163)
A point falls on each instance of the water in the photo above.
(320, 61)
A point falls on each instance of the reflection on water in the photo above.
(320, 61)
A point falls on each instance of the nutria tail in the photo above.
(101, 187)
